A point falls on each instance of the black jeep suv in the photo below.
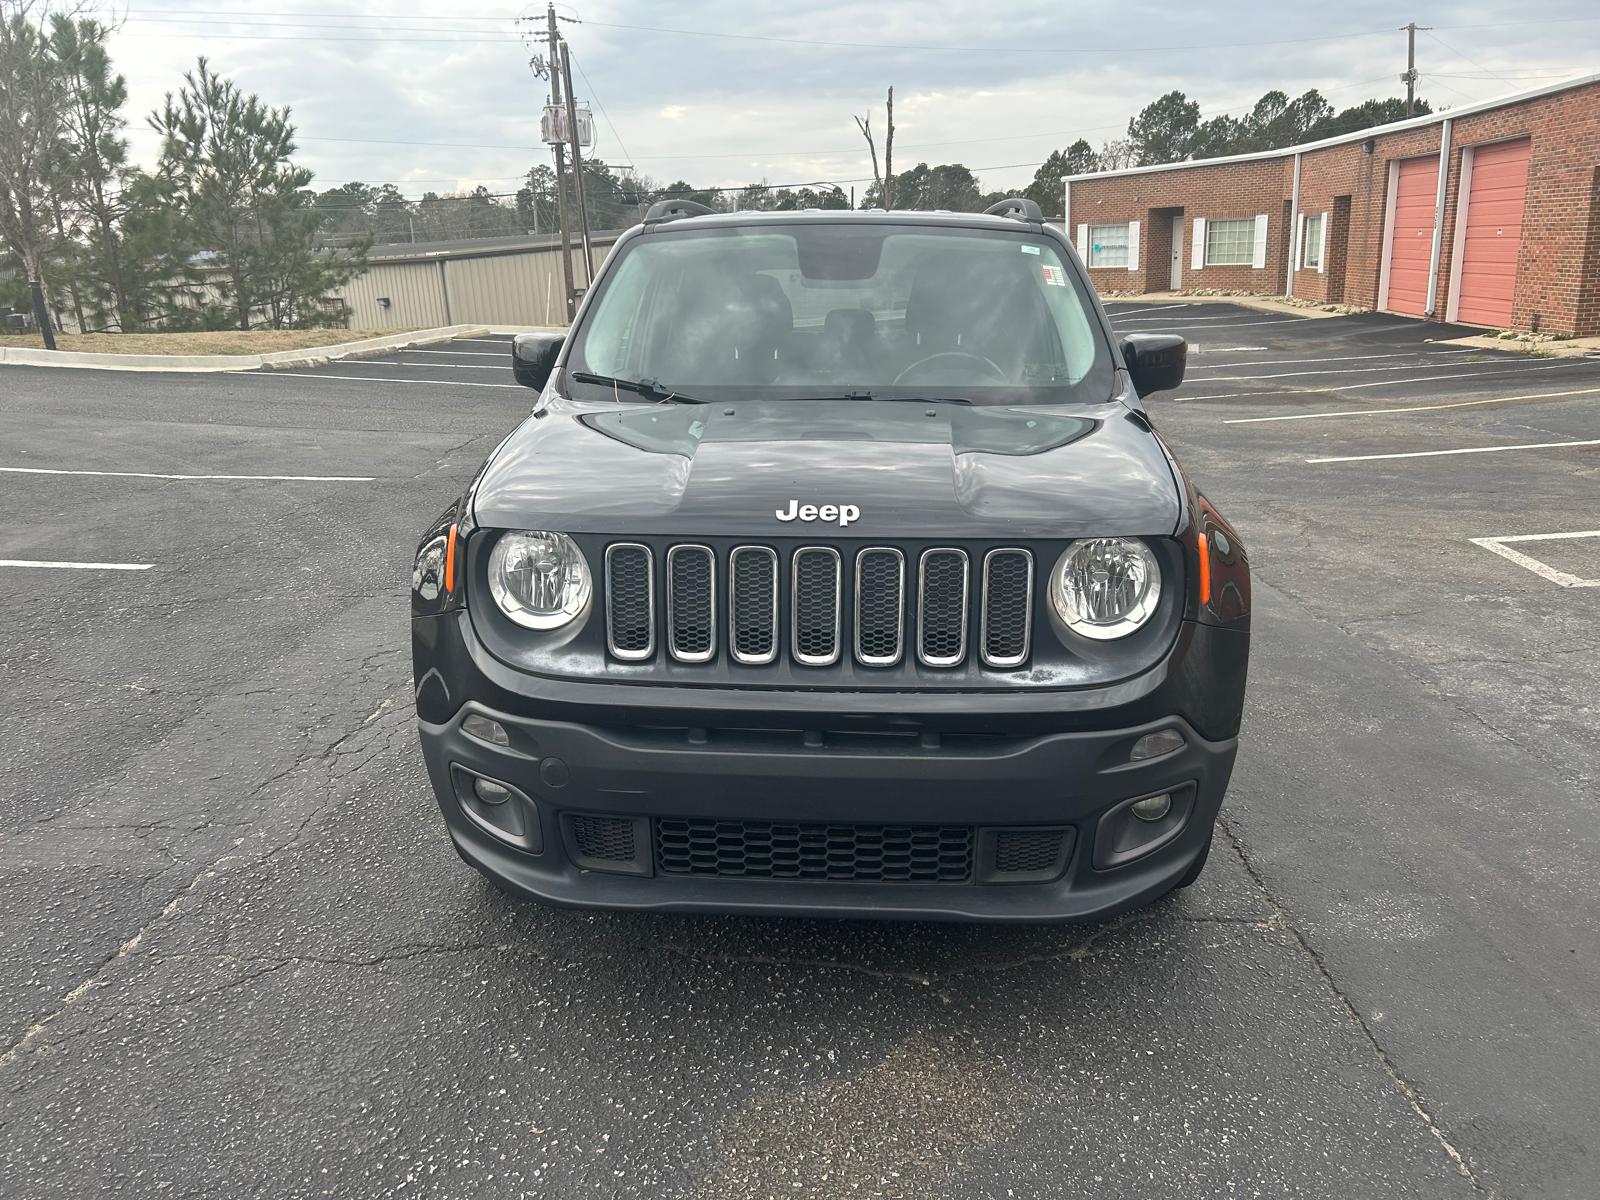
(837, 570)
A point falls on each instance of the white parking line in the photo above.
(1197, 320)
(1466, 450)
(430, 366)
(463, 353)
(1543, 570)
(1356, 387)
(1362, 370)
(155, 475)
(75, 566)
(1384, 412)
(1158, 308)
(1295, 362)
(1197, 348)
(1242, 324)
(484, 341)
(378, 379)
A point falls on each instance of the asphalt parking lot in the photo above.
(239, 954)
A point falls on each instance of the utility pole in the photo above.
(561, 165)
(1410, 77)
(577, 167)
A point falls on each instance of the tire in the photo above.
(1199, 865)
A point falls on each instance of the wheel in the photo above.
(1199, 865)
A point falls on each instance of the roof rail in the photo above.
(671, 210)
(1019, 207)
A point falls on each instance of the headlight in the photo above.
(1105, 588)
(539, 579)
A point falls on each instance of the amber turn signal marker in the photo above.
(450, 561)
(1203, 545)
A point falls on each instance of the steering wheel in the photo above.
(991, 368)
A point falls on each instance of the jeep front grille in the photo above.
(691, 603)
(816, 577)
(883, 605)
(630, 601)
(942, 607)
(1007, 607)
(880, 605)
(753, 605)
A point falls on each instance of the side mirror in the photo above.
(1155, 361)
(533, 357)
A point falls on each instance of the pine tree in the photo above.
(249, 226)
(95, 164)
(30, 100)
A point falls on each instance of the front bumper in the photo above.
(650, 762)
(1068, 782)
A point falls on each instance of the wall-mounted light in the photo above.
(1370, 145)
(384, 302)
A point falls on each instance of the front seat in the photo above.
(761, 331)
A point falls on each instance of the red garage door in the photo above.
(1493, 233)
(1411, 235)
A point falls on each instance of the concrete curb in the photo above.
(1269, 304)
(310, 356)
(1588, 347)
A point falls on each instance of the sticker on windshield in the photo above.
(1030, 249)
(1054, 276)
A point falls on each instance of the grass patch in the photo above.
(255, 341)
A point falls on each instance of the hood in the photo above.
(909, 469)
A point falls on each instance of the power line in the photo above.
(851, 152)
(1434, 37)
(1118, 48)
(596, 97)
(313, 23)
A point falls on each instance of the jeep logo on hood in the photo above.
(842, 513)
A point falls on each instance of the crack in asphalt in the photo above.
(211, 870)
(1403, 1085)
(1432, 686)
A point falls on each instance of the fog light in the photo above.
(493, 793)
(1151, 808)
(1154, 745)
(485, 730)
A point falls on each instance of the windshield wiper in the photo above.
(650, 389)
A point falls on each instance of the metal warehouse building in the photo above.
(1487, 215)
(488, 281)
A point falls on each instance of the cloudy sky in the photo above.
(438, 96)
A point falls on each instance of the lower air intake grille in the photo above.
(609, 839)
(770, 850)
(1027, 850)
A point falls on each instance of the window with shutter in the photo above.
(1311, 243)
(1108, 245)
(1230, 243)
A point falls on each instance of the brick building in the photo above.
(1488, 215)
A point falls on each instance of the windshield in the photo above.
(844, 311)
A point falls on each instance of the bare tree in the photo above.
(884, 179)
(865, 125)
(30, 104)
